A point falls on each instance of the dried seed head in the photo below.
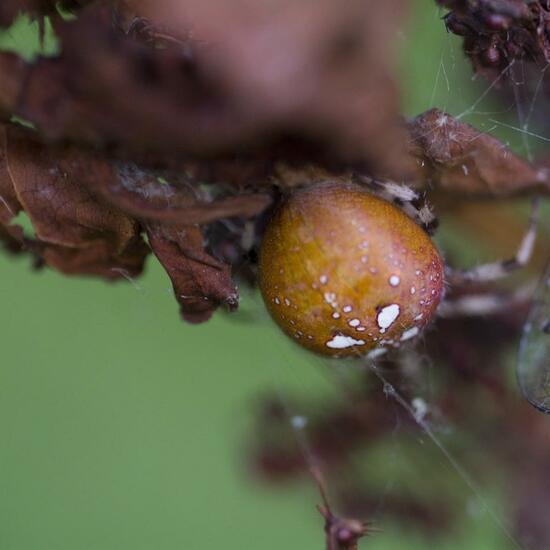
(343, 272)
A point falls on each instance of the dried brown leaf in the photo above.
(98, 259)
(62, 209)
(61, 189)
(453, 156)
(75, 232)
(201, 283)
(142, 195)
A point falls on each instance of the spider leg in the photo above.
(472, 305)
(500, 269)
(411, 202)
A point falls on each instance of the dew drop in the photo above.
(298, 422)
(376, 353)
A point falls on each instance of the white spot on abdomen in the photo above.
(387, 315)
(354, 323)
(330, 298)
(342, 342)
(395, 280)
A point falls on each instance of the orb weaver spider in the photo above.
(348, 269)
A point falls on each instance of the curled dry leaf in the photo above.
(141, 194)
(63, 210)
(448, 154)
(79, 232)
(201, 283)
(75, 233)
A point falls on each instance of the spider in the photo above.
(349, 269)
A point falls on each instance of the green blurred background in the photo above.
(121, 427)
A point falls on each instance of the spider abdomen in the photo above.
(343, 272)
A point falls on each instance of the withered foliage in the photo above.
(497, 33)
(158, 116)
(75, 233)
(79, 232)
(453, 156)
(200, 282)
